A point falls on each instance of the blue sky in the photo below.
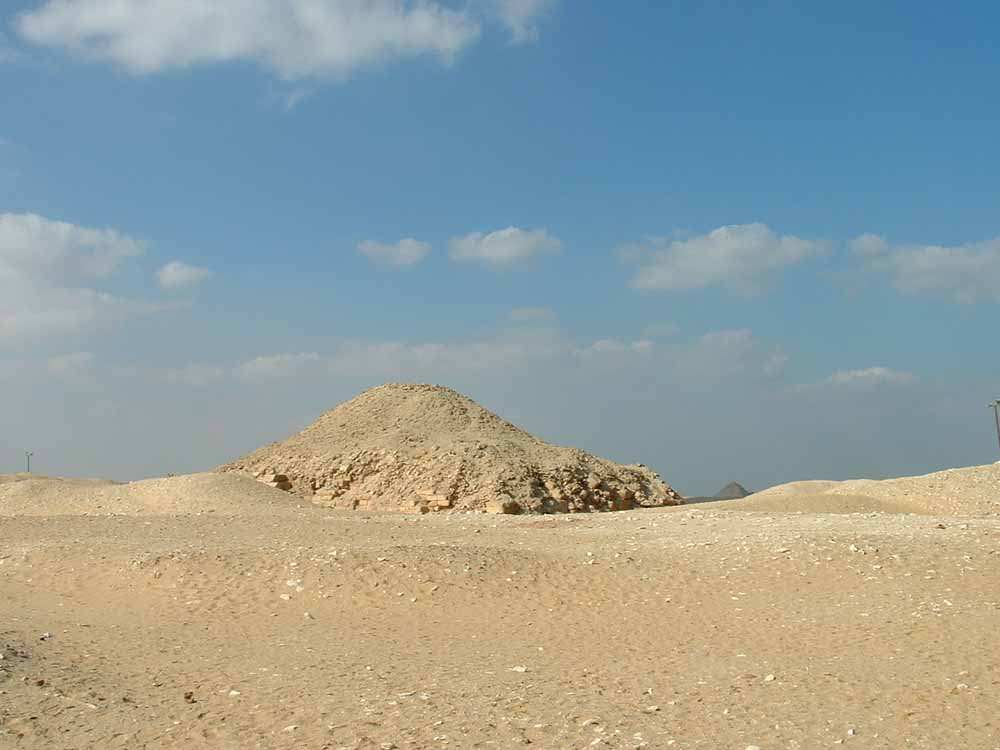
(732, 243)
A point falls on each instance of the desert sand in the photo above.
(212, 611)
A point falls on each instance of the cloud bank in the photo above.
(504, 248)
(177, 275)
(403, 254)
(739, 256)
(293, 39)
(958, 273)
(48, 272)
(521, 17)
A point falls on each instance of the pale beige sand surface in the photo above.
(273, 623)
(972, 490)
(804, 501)
(191, 493)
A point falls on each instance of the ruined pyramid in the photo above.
(422, 448)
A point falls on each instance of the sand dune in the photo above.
(194, 493)
(973, 490)
(803, 501)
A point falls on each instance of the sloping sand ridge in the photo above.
(420, 448)
(966, 491)
(34, 495)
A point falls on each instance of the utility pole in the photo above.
(27, 458)
(995, 406)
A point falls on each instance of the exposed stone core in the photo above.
(423, 448)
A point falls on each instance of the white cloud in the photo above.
(296, 39)
(531, 314)
(853, 381)
(503, 248)
(868, 377)
(47, 272)
(729, 352)
(521, 16)
(30, 313)
(433, 359)
(715, 355)
(610, 347)
(869, 245)
(738, 256)
(176, 275)
(35, 248)
(961, 273)
(407, 252)
(279, 366)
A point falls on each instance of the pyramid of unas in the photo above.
(426, 448)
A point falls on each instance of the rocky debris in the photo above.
(278, 481)
(426, 448)
(10, 657)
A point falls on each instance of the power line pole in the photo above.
(27, 458)
(995, 406)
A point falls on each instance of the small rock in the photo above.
(234, 693)
(519, 668)
(290, 728)
(650, 709)
(770, 678)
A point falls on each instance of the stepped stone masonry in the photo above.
(425, 449)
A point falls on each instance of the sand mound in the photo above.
(195, 493)
(67, 482)
(805, 502)
(422, 447)
(974, 490)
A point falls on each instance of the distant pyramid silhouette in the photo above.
(732, 491)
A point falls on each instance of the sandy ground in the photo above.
(238, 617)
